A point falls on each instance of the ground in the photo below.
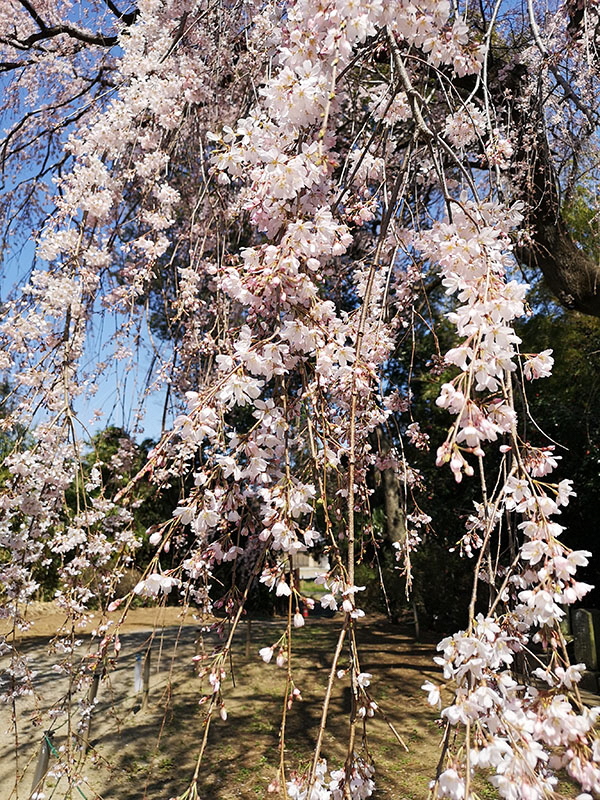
(149, 753)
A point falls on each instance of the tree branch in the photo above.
(126, 17)
(49, 32)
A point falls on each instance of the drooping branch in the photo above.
(570, 273)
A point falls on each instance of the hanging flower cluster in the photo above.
(524, 733)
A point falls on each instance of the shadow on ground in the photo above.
(139, 753)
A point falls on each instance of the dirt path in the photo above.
(116, 697)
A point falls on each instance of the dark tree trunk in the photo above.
(395, 522)
(572, 276)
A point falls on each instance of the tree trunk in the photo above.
(395, 522)
(572, 276)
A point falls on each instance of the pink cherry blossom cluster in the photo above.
(473, 253)
(523, 733)
(356, 781)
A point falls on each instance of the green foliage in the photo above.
(565, 408)
(582, 215)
